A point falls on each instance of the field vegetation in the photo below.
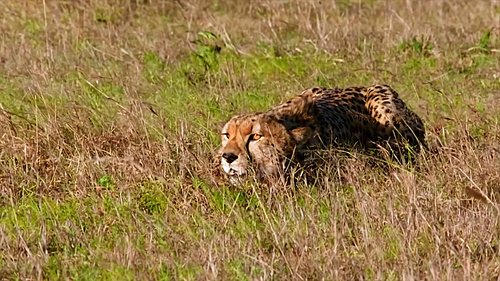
(109, 119)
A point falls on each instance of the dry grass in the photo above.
(108, 119)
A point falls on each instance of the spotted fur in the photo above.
(317, 117)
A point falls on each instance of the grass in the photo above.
(109, 117)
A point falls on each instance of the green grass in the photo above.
(110, 114)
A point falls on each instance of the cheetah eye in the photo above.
(225, 136)
(255, 137)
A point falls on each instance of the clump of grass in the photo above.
(109, 115)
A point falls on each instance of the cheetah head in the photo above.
(263, 141)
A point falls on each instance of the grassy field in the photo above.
(109, 118)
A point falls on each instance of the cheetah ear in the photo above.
(221, 125)
(302, 135)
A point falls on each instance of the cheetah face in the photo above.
(259, 141)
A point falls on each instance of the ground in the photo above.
(110, 112)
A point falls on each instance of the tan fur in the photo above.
(316, 116)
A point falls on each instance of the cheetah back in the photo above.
(343, 117)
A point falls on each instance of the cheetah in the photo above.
(318, 117)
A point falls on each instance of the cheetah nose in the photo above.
(230, 157)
